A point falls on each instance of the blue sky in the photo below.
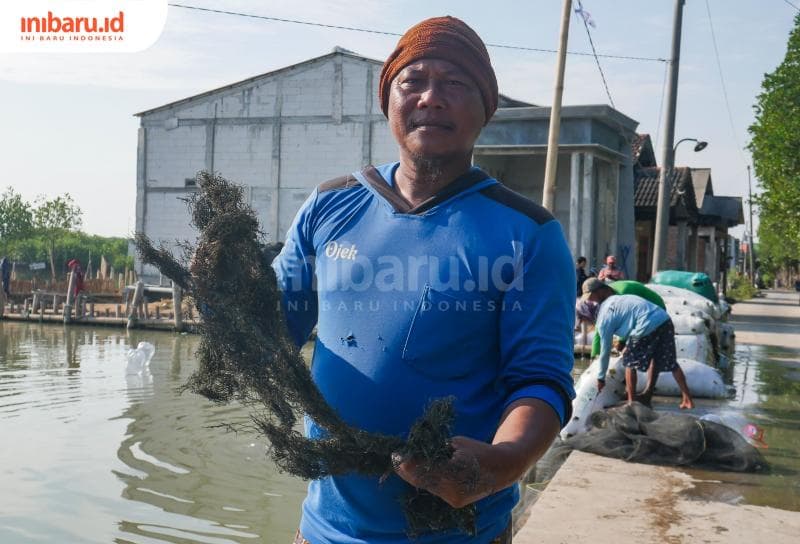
(68, 122)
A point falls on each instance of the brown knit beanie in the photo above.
(445, 38)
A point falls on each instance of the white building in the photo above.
(282, 133)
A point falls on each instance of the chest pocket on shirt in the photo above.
(450, 335)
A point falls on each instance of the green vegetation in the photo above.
(775, 146)
(740, 287)
(48, 230)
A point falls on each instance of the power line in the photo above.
(722, 82)
(795, 7)
(594, 52)
(386, 33)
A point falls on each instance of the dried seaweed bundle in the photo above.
(246, 354)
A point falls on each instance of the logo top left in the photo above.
(80, 26)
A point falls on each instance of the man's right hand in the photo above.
(600, 385)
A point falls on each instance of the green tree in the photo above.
(53, 219)
(775, 146)
(16, 220)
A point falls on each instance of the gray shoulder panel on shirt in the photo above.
(342, 182)
(505, 196)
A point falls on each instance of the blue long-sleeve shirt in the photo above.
(470, 295)
(626, 316)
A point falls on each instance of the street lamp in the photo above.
(662, 207)
(699, 145)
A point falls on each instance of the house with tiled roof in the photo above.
(697, 238)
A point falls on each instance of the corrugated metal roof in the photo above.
(725, 209)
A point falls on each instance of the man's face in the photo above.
(435, 110)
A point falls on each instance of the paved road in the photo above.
(600, 500)
(771, 320)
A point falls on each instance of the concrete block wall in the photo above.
(174, 154)
(243, 153)
(384, 147)
(279, 135)
(313, 153)
(309, 92)
(354, 89)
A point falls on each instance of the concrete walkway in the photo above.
(601, 500)
(607, 501)
(771, 320)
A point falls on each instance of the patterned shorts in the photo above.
(658, 346)
(502, 538)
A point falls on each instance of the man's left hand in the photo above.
(477, 469)
(461, 480)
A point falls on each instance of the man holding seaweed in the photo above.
(427, 278)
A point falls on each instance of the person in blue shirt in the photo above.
(427, 278)
(649, 340)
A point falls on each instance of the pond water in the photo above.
(90, 454)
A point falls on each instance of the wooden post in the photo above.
(35, 303)
(158, 312)
(128, 298)
(177, 302)
(118, 311)
(68, 304)
(138, 294)
(2, 303)
(91, 309)
(551, 160)
(41, 310)
(108, 311)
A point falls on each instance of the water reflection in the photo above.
(114, 457)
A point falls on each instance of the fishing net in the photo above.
(639, 434)
(247, 355)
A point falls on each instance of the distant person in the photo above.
(5, 274)
(650, 335)
(580, 273)
(75, 266)
(610, 272)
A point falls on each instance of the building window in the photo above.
(190, 182)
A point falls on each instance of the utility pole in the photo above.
(750, 246)
(551, 165)
(667, 151)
